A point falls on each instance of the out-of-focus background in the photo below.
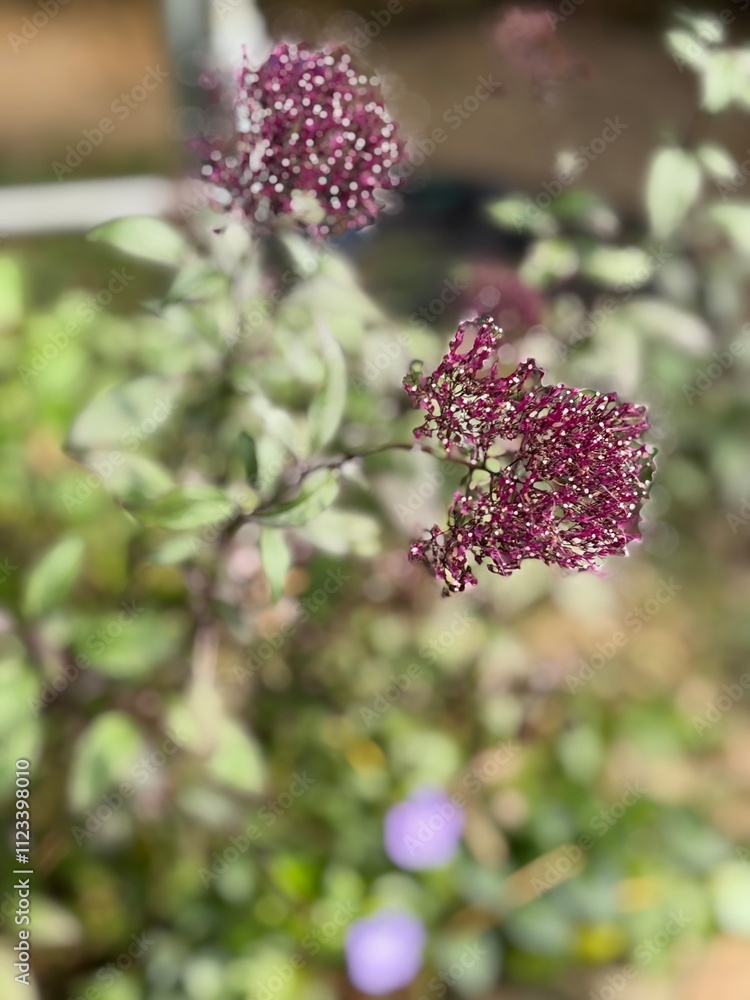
(610, 707)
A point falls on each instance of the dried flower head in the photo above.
(553, 473)
(313, 142)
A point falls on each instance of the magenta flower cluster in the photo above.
(498, 291)
(553, 473)
(313, 142)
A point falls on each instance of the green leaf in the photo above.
(663, 321)
(305, 256)
(280, 425)
(345, 532)
(50, 581)
(124, 415)
(276, 560)
(144, 237)
(479, 976)
(196, 283)
(249, 456)
(719, 80)
(686, 48)
(103, 758)
(134, 479)
(177, 549)
(672, 188)
(318, 492)
(21, 731)
(706, 27)
(541, 928)
(617, 267)
(586, 210)
(734, 219)
(742, 83)
(581, 751)
(717, 162)
(54, 926)
(332, 296)
(327, 409)
(522, 215)
(548, 262)
(187, 508)
(237, 761)
(130, 645)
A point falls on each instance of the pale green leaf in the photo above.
(50, 581)
(617, 267)
(327, 409)
(522, 215)
(345, 532)
(318, 492)
(717, 162)
(134, 479)
(177, 549)
(686, 48)
(53, 926)
(586, 210)
(195, 283)
(706, 27)
(20, 725)
(124, 415)
(274, 554)
(478, 976)
(672, 188)
(581, 753)
(719, 80)
(187, 508)
(548, 262)
(144, 237)
(664, 321)
(237, 761)
(734, 219)
(103, 758)
(129, 645)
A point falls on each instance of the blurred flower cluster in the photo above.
(314, 143)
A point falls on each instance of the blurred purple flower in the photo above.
(423, 831)
(313, 142)
(384, 952)
(528, 40)
(564, 471)
(498, 290)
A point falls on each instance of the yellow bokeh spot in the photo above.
(640, 893)
(364, 755)
(600, 943)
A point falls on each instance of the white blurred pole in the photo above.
(77, 206)
(233, 24)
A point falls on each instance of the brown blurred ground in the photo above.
(65, 78)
